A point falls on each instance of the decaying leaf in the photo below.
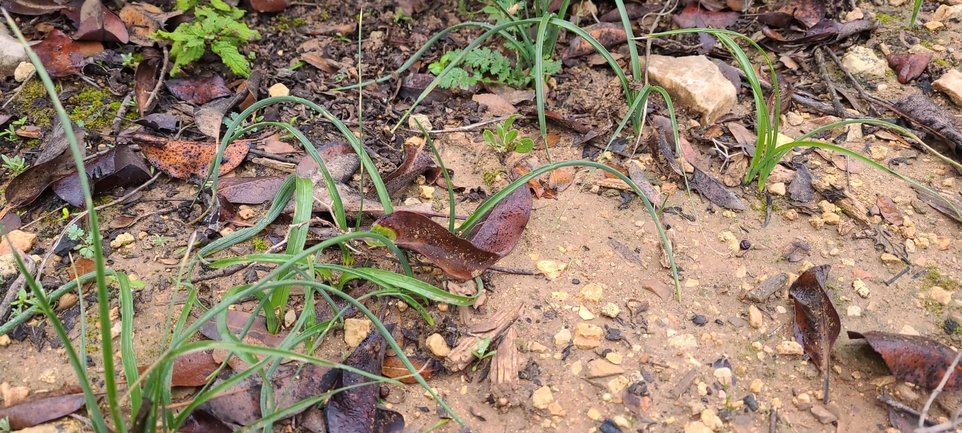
(795, 251)
(694, 16)
(462, 354)
(119, 167)
(908, 66)
(504, 366)
(145, 79)
(939, 204)
(608, 34)
(185, 159)
(920, 110)
(800, 188)
(916, 359)
(416, 162)
(201, 421)
(143, 20)
(97, 23)
(354, 409)
(249, 190)
(426, 366)
(888, 210)
(501, 228)
(191, 369)
(59, 54)
(42, 407)
(35, 7)
(198, 90)
(817, 324)
(269, 5)
(236, 321)
(53, 164)
(456, 256)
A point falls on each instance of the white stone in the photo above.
(355, 330)
(862, 61)
(694, 82)
(24, 70)
(950, 83)
(278, 89)
(542, 397)
(436, 344)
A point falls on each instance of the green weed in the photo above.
(505, 139)
(216, 28)
(15, 164)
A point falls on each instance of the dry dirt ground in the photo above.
(672, 345)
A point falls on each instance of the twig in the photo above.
(936, 391)
(897, 276)
(823, 73)
(467, 128)
(121, 112)
(160, 81)
(19, 90)
(773, 421)
(516, 271)
(14, 289)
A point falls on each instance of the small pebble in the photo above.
(950, 326)
(575, 281)
(751, 402)
(699, 320)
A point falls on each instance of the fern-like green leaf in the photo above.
(231, 57)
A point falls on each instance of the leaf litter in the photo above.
(816, 325)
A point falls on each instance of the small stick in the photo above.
(683, 385)
(773, 421)
(823, 72)
(121, 112)
(470, 127)
(516, 271)
(19, 90)
(897, 276)
(160, 81)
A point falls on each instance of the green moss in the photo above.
(28, 104)
(933, 278)
(944, 63)
(885, 19)
(489, 177)
(94, 108)
(260, 245)
(285, 23)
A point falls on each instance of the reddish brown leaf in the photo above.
(198, 90)
(43, 407)
(236, 321)
(416, 162)
(322, 63)
(889, 210)
(143, 20)
(184, 159)
(916, 359)
(241, 403)
(201, 421)
(145, 80)
(817, 324)
(338, 157)
(806, 12)
(909, 66)
(191, 369)
(795, 251)
(81, 266)
(274, 145)
(53, 164)
(249, 190)
(97, 23)
(693, 16)
(59, 54)
(608, 34)
(34, 7)
(501, 228)
(426, 366)
(452, 254)
(119, 167)
(269, 5)
(355, 409)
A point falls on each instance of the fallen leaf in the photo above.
(53, 164)
(143, 20)
(428, 367)
(795, 251)
(505, 364)
(500, 229)
(916, 359)
(640, 178)
(237, 321)
(249, 190)
(210, 117)
(119, 167)
(808, 13)
(322, 63)
(35, 7)
(463, 354)
(201, 421)
(191, 369)
(496, 105)
(694, 16)
(339, 158)
(354, 409)
(715, 191)
(145, 80)
(889, 211)
(165, 122)
(906, 422)
(97, 23)
(274, 145)
(456, 256)
(269, 5)
(939, 204)
(42, 407)
(185, 159)
(417, 161)
(608, 34)
(920, 110)
(800, 188)
(908, 66)
(59, 55)
(817, 324)
(198, 90)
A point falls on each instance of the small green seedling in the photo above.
(10, 134)
(128, 59)
(216, 27)
(86, 241)
(159, 240)
(480, 350)
(16, 164)
(505, 139)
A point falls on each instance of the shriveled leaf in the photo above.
(456, 256)
(808, 13)
(920, 110)
(42, 407)
(916, 359)
(938, 204)
(145, 80)
(198, 90)
(428, 367)
(817, 324)
(338, 157)
(185, 159)
(249, 190)
(320, 62)
(59, 55)
(888, 209)
(608, 34)
(97, 23)
(53, 164)
(210, 117)
(795, 251)
(201, 421)
(236, 321)
(143, 20)
(191, 369)
(159, 122)
(463, 354)
(35, 7)
(800, 189)
(119, 167)
(715, 191)
(274, 145)
(417, 161)
(354, 409)
(694, 16)
(269, 5)
(501, 228)
(908, 66)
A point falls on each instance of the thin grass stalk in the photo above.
(303, 201)
(110, 381)
(635, 59)
(444, 171)
(539, 83)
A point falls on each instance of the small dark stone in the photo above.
(738, 322)
(613, 334)
(745, 244)
(384, 391)
(639, 388)
(609, 426)
(726, 415)
(950, 326)
(751, 402)
(575, 281)
(699, 320)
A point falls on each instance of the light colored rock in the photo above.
(245, 212)
(278, 89)
(8, 266)
(593, 414)
(756, 386)
(724, 376)
(940, 295)
(355, 330)
(122, 240)
(933, 25)
(831, 218)
(12, 394)
(48, 376)
(551, 268)
(889, 259)
(754, 317)
(853, 311)
(789, 348)
(618, 384)
(537, 347)
(793, 118)
(878, 153)
(5, 339)
(683, 341)
(62, 425)
(777, 188)
(555, 409)
(621, 421)
(436, 344)
(426, 192)
(615, 358)
(947, 13)
(591, 292)
(909, 330)
(611, 310)
(562, 338)
(24, 71)
(694, 82)
(860, 60)
(697, 427)
(585, 314)
(587, 336)
(11, 53)
(22, 240)
(603, 368)
(542, 397)
(421, 118)
(823, 415)
(711, 420)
